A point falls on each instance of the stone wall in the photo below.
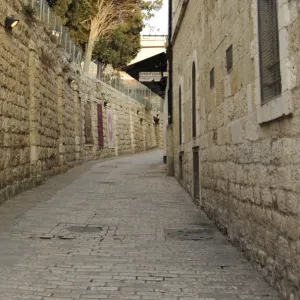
(42, 109)
(249, 152)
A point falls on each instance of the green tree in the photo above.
(91, 20)
(73, 15)
(122, 45)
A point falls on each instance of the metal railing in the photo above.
(60, 33)
(135, 90)
(129, 86)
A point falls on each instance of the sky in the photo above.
(159, 22)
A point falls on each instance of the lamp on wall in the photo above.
(71, 80)
(11, 23)
(107, 104)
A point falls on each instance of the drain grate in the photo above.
(71, 231)
(85, 229)
(189, 234)
(107, 182)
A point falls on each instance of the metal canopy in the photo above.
(153, 64)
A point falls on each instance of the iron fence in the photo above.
(134, 89)
(59, 32)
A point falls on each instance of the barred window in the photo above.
(269, 50)
(212, 78)
(229, 59)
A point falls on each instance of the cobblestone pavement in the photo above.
(118, 229)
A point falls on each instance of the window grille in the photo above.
(269, 50)
(212, 78)
(229, 59)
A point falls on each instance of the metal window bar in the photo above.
(229, 59)
(269, 56)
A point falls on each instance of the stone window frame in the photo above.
(281, 105)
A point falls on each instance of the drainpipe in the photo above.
(170, 137)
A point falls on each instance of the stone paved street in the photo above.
(118, 229)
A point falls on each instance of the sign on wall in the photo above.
(110, 129)
(150, 76)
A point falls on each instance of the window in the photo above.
(180, 117)
(194, 120)
(212, 78)
(229, 59)
(270, 78)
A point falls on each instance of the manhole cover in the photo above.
(190, 234)
(85, 229)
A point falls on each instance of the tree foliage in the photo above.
(103, 23)
(73, 15)
(122, 45)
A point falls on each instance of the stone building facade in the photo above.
(235, 128)
(51, 116)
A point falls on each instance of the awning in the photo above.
(151, 72)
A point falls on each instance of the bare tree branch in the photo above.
(110, 13)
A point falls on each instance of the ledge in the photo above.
(276, 108)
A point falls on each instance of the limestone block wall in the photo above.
(43, 97)
(249, 152)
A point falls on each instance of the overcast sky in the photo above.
(159, 22)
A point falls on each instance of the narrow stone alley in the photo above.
(118, 229)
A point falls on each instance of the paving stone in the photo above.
(91, 240)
